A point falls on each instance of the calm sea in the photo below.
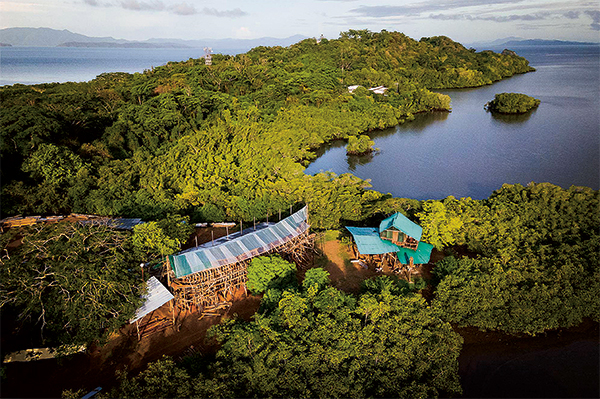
(470, 152)
(31, 65)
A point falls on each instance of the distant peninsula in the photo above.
(46, 37)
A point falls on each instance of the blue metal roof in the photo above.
(369, 243)
(402, 223)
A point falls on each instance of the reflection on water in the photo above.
(512, 118)
(470, 152)
(423, 121)
(355, 160)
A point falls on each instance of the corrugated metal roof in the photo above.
(241, 248)
(369, 243)
(402, 223)
(157, 296)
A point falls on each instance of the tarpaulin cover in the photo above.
(420, 256)
(244, 247)
(157, 296)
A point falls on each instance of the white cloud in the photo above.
(243, 33)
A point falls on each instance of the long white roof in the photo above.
(157, 296)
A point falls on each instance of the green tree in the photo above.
(269, 272)
(73, 282)
(440, 228)
(316, 277)
(359, 145)
(512, 103)
(149, 240)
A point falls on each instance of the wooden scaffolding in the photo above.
(217, 285)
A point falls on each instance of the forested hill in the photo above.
(224, 141)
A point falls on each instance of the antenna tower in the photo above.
(207, 56)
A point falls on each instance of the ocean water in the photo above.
(466, 153)
(32, 65)
(470, 152)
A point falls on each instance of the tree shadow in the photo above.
(355, 160)
(512, 118)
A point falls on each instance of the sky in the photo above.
(466, 21)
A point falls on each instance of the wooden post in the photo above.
(307, 214)
(290, 210)
(196, 237)
(172, 310)
(280, 214)
(137, 326)
(254, 223)
(168, 272)
(212, 236)
(267, 218)
(241, 228)
(411, 264)
(227, 229)
(142, 266)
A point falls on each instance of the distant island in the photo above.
(5, 45)
(520, 42)
(512, 103)
(541, 42)
(123, 45)
(46, 37)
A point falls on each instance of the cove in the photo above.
(471, 152)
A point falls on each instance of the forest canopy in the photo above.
(229, 140)
(512, 103)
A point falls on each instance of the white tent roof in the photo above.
(157, 296)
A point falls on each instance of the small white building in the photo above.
(376, 90)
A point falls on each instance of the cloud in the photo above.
(183, 9)
(243, 33)
(571, 14)
(539, 16)
(423, 7)
(504, 18)
(595, 15)
(142, 5)
(235, 13)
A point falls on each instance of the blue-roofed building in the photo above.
(397, 235)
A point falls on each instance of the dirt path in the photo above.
(344, 275)
(48, 378)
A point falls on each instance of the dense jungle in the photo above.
(189, 142)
